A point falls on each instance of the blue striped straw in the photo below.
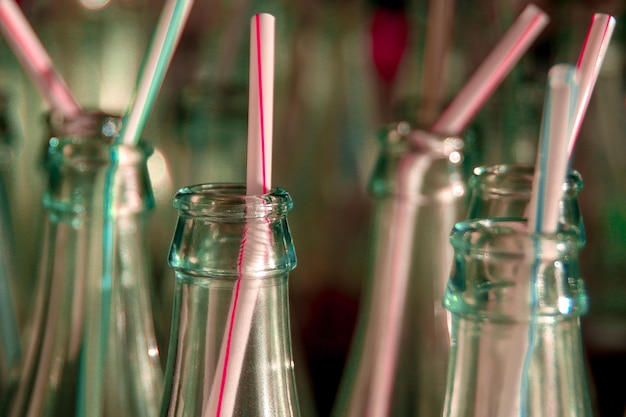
(552, 157)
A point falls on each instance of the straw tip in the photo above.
(533, 9)
(264, 16)
(535, 14)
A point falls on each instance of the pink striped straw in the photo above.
(491, 72)
(588, 68)
(35, 59)
(256, 235)
(260, 105)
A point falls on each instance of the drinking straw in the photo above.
(260, 105)
(439, 26)
(35, 59)
(167, 33)
(552, 156)
(391, 298)
(547, 190)
(256, 235)
(492, 71)
(158, 57)
(588, 67)
(152, 73)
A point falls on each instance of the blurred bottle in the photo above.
(91, 349)
(97, 46)
(230, 346)
(10, 337)
(397, 363)
(516, 301)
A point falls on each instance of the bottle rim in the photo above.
(404, 137)
(229, 201)
(499, 179)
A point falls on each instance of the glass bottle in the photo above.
(92, 350)
(10, 337)
(230, 348)
(515, 301)
(397, 362)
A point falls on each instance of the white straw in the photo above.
(492, 71)
(588, 67)
(255, 241)
(162, 47)
(552, 157)
(260, 105)
(35, 59)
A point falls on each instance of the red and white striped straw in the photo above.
(256, 235)
(492, 71)
(588, 68)
(260, 105)
(35, 59)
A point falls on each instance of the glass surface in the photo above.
(10, 337)
(230, 346)
(516, 301)
(91, 348)
(397, 362)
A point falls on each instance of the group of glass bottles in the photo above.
(487, 325)
(90, 344)
(508, 342)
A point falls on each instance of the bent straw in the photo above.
(160, 52)
(256, 235)
(491, 72)
(35, 59)
(588, 67)
(552, 157)
(395, 266)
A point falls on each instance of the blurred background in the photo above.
(343, 69)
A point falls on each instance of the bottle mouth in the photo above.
(401, 136)
(229, 201)
(506, 179)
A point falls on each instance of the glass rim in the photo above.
(404, 135)
(229, 201)
(519, 173)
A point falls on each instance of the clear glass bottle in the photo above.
(230, 348)
(92, 350)
(397, 362)
(10, 337)
(515, 301)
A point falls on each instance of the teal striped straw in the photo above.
(153, 69)
(552, 158)
(151, 75)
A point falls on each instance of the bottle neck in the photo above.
(516, 301)
(230, 348)
(419, 166)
